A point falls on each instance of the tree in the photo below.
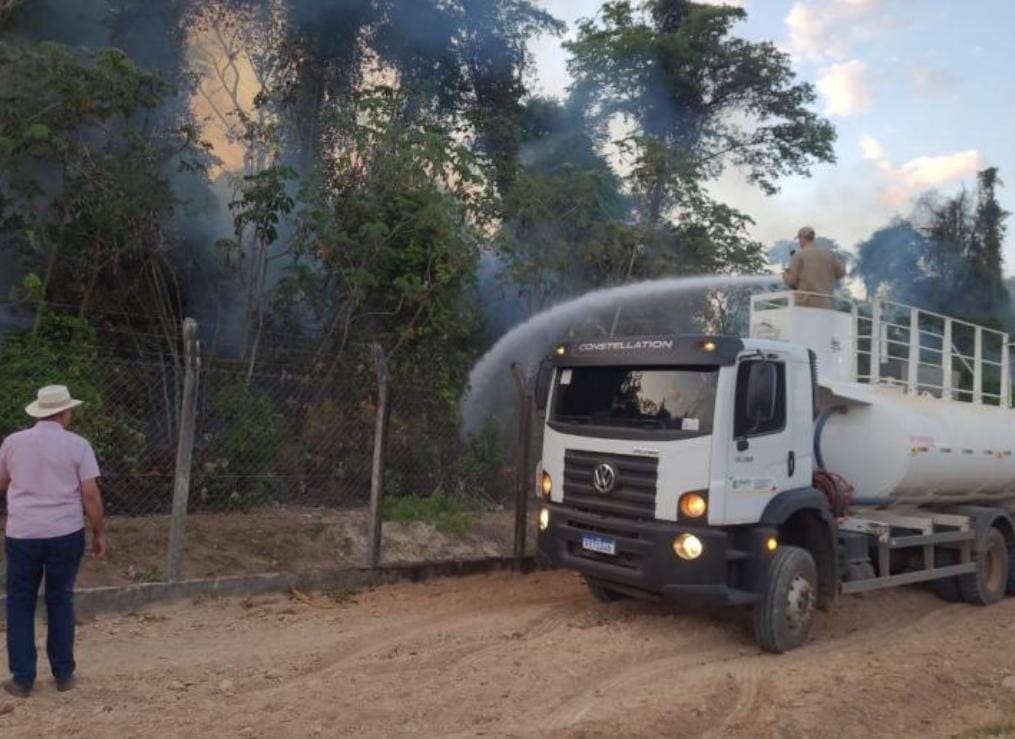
(945, 258)
(566, 219)
(699, 101)
(386, 248)
(85, 190)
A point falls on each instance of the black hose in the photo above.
(819, 426)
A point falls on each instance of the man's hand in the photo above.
(99, 544)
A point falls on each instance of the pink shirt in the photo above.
(46, 465)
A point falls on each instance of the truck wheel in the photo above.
(783, 616)
(987, 585)
(1011, 571)
(947, 589)
(602, 593)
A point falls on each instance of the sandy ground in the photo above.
(282, 540)
(508, 655)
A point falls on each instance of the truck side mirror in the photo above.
(543, 379)
(761, 393)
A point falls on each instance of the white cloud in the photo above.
(925, 173)
(828, 29)
(913, 178)
(845, 88)
(871, 147)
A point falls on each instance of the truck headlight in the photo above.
(688, 546)
(545, 484)
(544, 519)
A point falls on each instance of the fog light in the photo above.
(693, 505)
(560, 351)
(544, 519)
(545, 484)
(688, 546)
(709, 346)
(771, 544)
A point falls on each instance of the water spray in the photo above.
(528, 342)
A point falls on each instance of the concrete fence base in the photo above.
(126, 598)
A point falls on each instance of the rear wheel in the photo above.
(783, 616)
(988, 583)
(601, 592)
(947, 589)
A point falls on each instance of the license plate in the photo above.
(600, 544)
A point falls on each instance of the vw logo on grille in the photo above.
(604, 477)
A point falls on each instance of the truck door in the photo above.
(763, 458)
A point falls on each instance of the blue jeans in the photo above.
(28, 560)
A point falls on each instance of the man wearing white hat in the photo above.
(50, 476)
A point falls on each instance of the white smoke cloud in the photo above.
(927, 81)
(845, 88)
(827, 29)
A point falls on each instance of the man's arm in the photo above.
(91, 497)
(5, 475)
(792, 275)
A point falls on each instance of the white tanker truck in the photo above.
(834, 451)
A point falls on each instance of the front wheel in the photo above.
(783, 616)
(601, 592)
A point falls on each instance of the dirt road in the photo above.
(528, 656)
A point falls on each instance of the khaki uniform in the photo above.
(814, 269)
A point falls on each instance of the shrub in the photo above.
(449, 514)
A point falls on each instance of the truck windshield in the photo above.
(664, 398)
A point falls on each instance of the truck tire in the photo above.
(789, 590)
(947, 589)
(601, 592)
(1011, 571)
(988, 583)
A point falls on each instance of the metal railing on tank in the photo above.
(916, 350)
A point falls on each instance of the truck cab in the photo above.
(684, 468)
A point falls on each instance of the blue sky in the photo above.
(920, 92)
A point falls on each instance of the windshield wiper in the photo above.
(574, 419)
(642, 422)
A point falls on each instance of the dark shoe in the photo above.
(69, 684)
(16, 689)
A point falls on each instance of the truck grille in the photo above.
(633, 495)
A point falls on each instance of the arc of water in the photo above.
(528, 341)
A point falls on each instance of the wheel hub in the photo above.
(799, 603)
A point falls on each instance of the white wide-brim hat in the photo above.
(51, 400)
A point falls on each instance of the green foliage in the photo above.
(64, 350)
(480, 466)
(392, 237)
(152, 573)
(449, 514)
(700, 101)
(86, 194)
(945, 258)
(239, 468)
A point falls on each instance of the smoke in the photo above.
(592, 314)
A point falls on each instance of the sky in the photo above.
(920, 93)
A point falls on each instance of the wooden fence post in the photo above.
(184, 449)
(378, 466)
(523, 454)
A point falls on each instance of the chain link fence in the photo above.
(281, 462)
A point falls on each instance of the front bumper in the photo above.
(727, 571)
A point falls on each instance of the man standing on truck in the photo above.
(813, 271)
(50, 476)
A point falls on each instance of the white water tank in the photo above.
(889, 444)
